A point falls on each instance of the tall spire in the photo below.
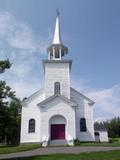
(57, 50)
(57, 35)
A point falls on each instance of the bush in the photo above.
(112, 140)
(76, 142)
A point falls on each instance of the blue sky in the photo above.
(90, 29)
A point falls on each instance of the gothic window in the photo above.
(83, 125)
(31, 126)
(57, 88)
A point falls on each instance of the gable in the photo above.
(59, 98)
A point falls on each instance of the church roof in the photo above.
(71, 103)
(90, 101)
(33, 96)
(100, 127)
(41, 91)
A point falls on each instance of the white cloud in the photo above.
(20, 44)
(25, 49)
(19, 35)
(107, 101)
(25, 89)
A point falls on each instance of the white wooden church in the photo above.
(57, 112)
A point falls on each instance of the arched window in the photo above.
(31, 126)
(57, 88)
(83, 125)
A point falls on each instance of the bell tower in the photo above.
(57, 50)
(56, 68)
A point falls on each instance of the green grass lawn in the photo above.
(23, 147)
(114, 142)
(111, 155)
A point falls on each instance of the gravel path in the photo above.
(53, 150)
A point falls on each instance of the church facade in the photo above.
(57, 112)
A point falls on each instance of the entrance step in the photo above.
(58, 142)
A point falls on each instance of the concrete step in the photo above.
(58, 142)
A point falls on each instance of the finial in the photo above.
(58, 13)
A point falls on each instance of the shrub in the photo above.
(76, 142)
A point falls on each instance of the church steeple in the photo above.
(57, 50)
(57, 35)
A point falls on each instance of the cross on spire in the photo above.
(58, 13)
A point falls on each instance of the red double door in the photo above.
(57, 131)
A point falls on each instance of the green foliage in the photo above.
(10, 120)
(110, 141)
(5, 64)
(113, 127)
(5, 95)
(114, 140)
(14, 111)
(10, 109)
(76, 142)
(5, 92)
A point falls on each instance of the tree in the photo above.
(5, 64)
(5, 95)
(14, 111)
(113, 127)
(10, 109)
